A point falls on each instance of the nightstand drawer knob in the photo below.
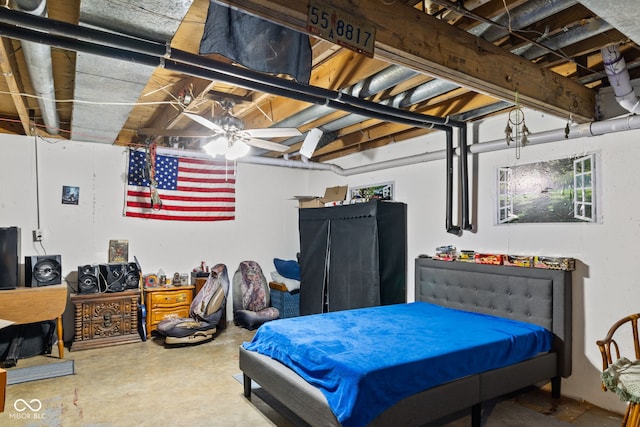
(107, 319)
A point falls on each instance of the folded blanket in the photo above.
(291, 284)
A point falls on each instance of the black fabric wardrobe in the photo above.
(352, 256)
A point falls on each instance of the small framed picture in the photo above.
(118, 251)
(365, 193)
(70, 195)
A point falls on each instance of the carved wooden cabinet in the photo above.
(105, 319)
(163, 303)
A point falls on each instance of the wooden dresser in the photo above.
(163, 303)
(105, 319)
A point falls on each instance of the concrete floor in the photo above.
(148, 384)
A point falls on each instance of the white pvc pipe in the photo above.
(618, 74)
(630, 122)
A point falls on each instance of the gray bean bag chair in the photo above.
(206, 310)
(251, 298)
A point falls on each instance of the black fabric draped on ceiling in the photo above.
(255, 43)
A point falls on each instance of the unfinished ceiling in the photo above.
(444, 60)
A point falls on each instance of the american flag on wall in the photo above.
(191, 187)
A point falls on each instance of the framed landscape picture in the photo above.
(560, 190)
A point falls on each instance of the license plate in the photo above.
(338, 27)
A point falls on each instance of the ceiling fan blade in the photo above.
(267, 145)
(175, 132)
(204, 122)
(310, 142)
(271, 132)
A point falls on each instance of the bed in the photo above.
(517, 294)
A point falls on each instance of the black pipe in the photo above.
(207, 74)
(88, 34)
(229, 76)
(453, 229)
(464, 177)
(51, 28)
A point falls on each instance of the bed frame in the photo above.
(533, 295)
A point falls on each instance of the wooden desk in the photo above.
(29, 305)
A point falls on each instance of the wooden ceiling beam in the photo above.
(409, 37)
(9, 69)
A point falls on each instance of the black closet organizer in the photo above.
(352, 256)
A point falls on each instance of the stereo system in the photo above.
(111, 277)
(42, 270)
(88, 282)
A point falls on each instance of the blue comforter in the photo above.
(366, 360)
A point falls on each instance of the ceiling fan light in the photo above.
(217, 145)
(236, 150)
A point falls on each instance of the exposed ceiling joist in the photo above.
(411, 38)
(9, 69)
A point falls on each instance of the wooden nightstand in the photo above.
(105, 319)
(163, 303)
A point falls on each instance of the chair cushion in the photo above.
(213, 294)
(623, 377)
(250, 288)
(253, 319)
(177, 327)
(287, 268)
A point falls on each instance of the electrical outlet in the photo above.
(37, 235)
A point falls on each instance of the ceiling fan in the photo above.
(228, 130)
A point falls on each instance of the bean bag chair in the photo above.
(206, 310)
(251, 298)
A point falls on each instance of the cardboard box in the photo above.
(331, 195)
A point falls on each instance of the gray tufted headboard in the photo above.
(532, 295)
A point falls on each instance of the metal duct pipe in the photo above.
(520, 17)
(380, 81)
(39, 64)
(578, 33)
(618, 74)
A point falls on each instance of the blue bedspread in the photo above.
(366, 360)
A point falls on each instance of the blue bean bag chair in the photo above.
(206, 310)
(251, 298)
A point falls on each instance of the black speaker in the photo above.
(112, 277)
(42, 270)
(9, 257)
(88, 282)
(132, 277)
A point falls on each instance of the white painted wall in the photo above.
(605, 287)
